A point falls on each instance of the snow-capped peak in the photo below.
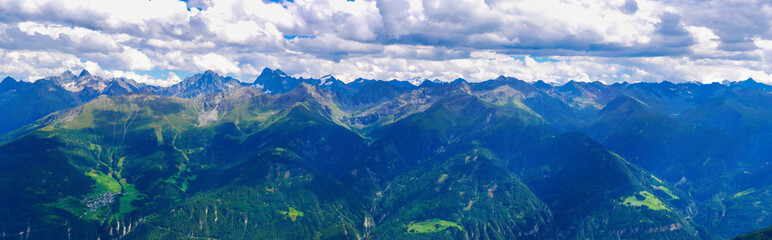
(416, 80)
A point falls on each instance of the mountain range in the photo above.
(86, 157)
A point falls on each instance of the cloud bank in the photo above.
(550, 40)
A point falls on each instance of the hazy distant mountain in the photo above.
(21, 103)
(750, 83)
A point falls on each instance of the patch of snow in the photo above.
(326, 80)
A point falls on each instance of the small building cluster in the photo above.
(95, 202)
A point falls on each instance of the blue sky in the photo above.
(162, 41)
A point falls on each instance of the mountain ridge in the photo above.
(500, 159)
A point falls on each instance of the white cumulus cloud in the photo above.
(551, 40)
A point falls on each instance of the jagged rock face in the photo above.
(278, 82)
(63, 79)
(93, 85)
(201, 84)
(398, 107)
(78, 83)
